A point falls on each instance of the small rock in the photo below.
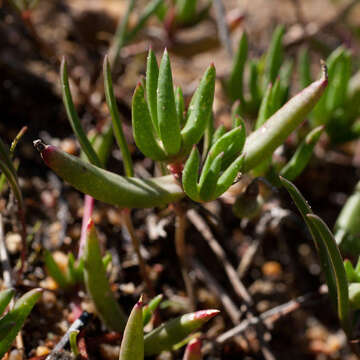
(42, 351)
(13, 242)
(272, 269)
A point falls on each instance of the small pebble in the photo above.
(69, 146)
(61, 260)
(13, 242)
(42, 351)
(272, 269)
(16, 355)
(49, 283)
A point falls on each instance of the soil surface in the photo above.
(272, 253)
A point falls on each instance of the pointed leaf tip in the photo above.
(324, 71)
(39, 145)
(205, 314)
(193, 350)
(140, 302)
(90, 225)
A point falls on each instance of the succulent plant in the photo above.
(338, 109)
(152, 131)
(11, 323)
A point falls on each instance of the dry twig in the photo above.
(204, 229)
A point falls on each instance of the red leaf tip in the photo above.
(90, 225)
(140, 302)
(194, 346)
(205, 314)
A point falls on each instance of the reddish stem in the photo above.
(88, 210)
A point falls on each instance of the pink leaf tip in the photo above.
(90, 225)
(205, 314)
(194, 346)
(140, 302)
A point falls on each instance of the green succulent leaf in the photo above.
(109, 187)
(115, 118)
(17, 316)
(193, 350)
(190, 175)
(235, 82)
(219, 132)
(231, 144)
(336, 262)
(5, 328)
(85, 144)
(199, 110)
(144, 133)
(54, 271)
(263, 142)
(152, 76)
(97, 284)
(347, 227)
(173, 331)
(302, 156)
(265, 107)
(5, 298)
(132, 345)
(321, 248)
(150, 9)
(180, 106)
(208, 182)
(351, 275)
(274, 56)
(304, 68)
(254, 84)
(185, 10)
(150, 308)
(169, 127)
(228, 177)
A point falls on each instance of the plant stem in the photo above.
(180, 229)
(88, 210)
(136, 244)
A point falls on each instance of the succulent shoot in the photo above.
(97, 284)
(330, 257)
(132, 345)
(222, 165)
(12, 322)
(262, 74)
(338, 110)
(347, 227)
(173, 331)
(158, 128)
(230, 152)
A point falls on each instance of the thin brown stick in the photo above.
(247, 258)
(204, 229)
(180, 229)
(229, 306)
(136, 244)
(268, 317)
